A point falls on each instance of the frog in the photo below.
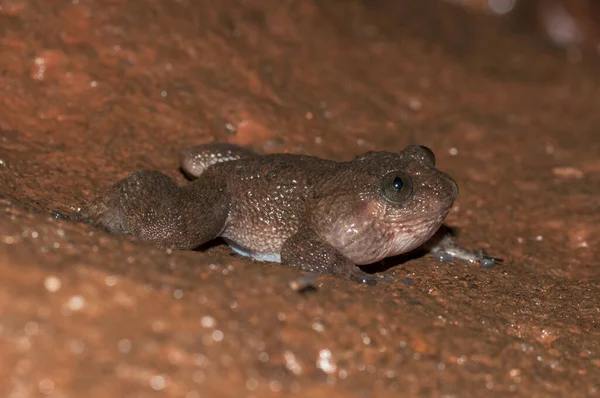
(311, 214)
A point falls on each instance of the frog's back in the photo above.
(269, 197)
(270, 171)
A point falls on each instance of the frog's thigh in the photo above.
(195, 160)
(305, 251)
(150, 205)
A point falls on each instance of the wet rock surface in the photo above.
(93, 90)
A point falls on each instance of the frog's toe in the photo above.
(443, 256)
(371, 280)
(386, 278)
(484, 260)
(489, 262)
(361, 277)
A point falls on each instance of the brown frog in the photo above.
(308, 213)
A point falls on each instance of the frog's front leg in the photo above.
(151, 206)
(306, 251)
(444, 245)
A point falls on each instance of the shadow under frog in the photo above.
(311, 214)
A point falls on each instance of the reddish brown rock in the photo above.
(127, 85)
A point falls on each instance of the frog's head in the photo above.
(383, 204)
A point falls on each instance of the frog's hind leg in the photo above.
(150, 205)
(195, 160)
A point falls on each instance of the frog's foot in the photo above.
(444, 246)
(472, 256)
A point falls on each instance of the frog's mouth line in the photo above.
(382, 239)
(408, 223)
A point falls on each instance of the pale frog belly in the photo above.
(273, 257)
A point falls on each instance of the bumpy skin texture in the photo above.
(308, 213)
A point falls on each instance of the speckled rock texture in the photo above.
(91, 91)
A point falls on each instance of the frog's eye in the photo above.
(428, 154)
(397, 186)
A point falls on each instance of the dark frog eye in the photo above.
(397, 186)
